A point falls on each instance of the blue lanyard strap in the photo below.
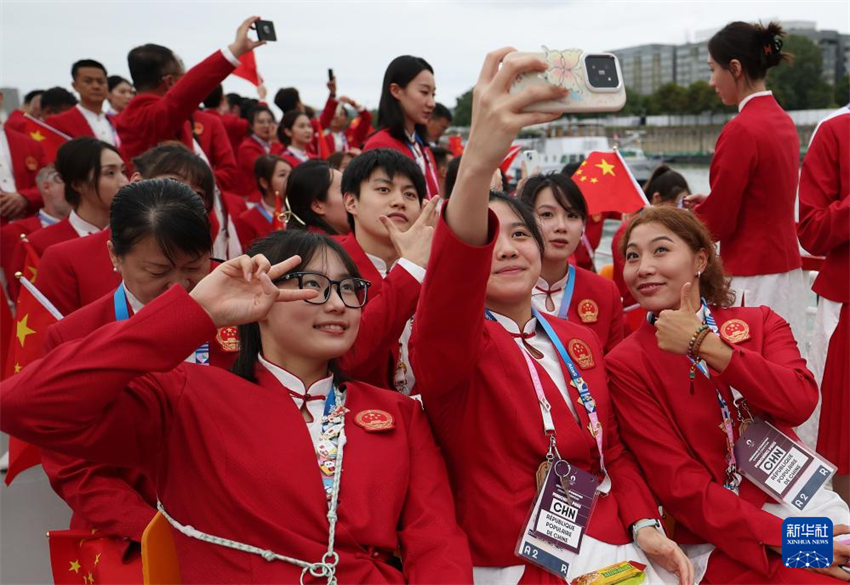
(569, 288)
(264, 211)
(119, 301)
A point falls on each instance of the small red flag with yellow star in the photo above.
(46, 135)
(33, 315)
(86, 557)
(608, 185)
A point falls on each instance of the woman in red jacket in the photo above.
(503, 395)
(314, 199)
(271, 174)
(753, 176)
(248, 466)
(563, 290)
(296, 133)
(261, 141)
(686, 385)
(407, 100)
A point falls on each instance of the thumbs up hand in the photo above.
(675, 328)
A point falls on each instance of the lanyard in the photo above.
(733, 478)
(569, 288)
(265, 212)
(426, 163)
(595, 427)
(119, 302)
(45, 219)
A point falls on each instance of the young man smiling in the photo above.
(390, 242)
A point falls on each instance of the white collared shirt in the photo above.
(550, 361)
(538, 297)
(418, 155)
(319, 388)
(297, 153)
(747, 99)
(412, 268)
(81, 226)
(7, 173)
(99, 124)
(45, 219)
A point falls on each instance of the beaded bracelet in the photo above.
(699, 331)
(698, 343)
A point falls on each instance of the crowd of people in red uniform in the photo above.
(328, 272)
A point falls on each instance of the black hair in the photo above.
(57, 99)
(148, 64)
(441, 111)
(757, 47)
(441, 155)
(75, 68)
(164, 209)
(308, 182)
(288, 121)
(451, 176)
(400, 71)
(234, 99)
(564, 189)
(570, 168)
(524, 213)
(666, 182)
(78, 160)
(114, 81)
(287, 99)
(34, 93)
(173, 158)
(335, 160)
(264, 168)
(252, 113)
(213, 99)
(279, 246)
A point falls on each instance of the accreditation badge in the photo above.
(558, 519)
(783, 468)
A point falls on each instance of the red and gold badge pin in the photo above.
(198, 129)
(580, 352)
(31, 163)
(588, 311)
(374, 421)
(228, 338)
(735, 331)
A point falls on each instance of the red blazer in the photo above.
(10, 235)
(355, 133)
(150, 119)
(675, 435)
(383, 139)
(292, 159)
(481, 403)
(75, 273)
(27, 159)
(212, 137)
(391, 303)
(73, 123)
(824, 227)
(211, 441)
(40, 240)
(248, 152)
(252, 225)
(237, 128)
(753, 180)
(16, 121)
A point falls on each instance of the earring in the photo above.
(114, 269)
(699, 273)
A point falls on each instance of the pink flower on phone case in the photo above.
(565, 70)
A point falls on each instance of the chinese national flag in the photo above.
(509, 158)
(33, 315)
(83, 556)
(456, 145)
(5, 329)
(608, 185)
(48, 137)
(248, 69)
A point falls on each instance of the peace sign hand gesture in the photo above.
(675, 328)
(241, 290)
(415, 243)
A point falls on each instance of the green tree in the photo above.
(670, 99)
(842, 92)
(799, 85)
(462, 115)
(635, 104)
(701, 97)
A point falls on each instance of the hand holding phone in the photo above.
(265, 30)
(594, 81)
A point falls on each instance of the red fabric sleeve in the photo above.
(357, 137)
(328, 112)
(733, 163)
(428, 531)
(683, 485)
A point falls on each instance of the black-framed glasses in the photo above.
(352, 291)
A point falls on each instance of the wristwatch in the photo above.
(644, 523)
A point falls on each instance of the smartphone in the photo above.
(265, 30)
(532, 161)
(330, 74)
(595, 81)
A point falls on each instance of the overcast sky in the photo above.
(40, 40)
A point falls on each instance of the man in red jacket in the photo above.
(166, 98)
(20, 159)
(87, 118)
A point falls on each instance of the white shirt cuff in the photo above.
(414, 269)
(228, 54)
